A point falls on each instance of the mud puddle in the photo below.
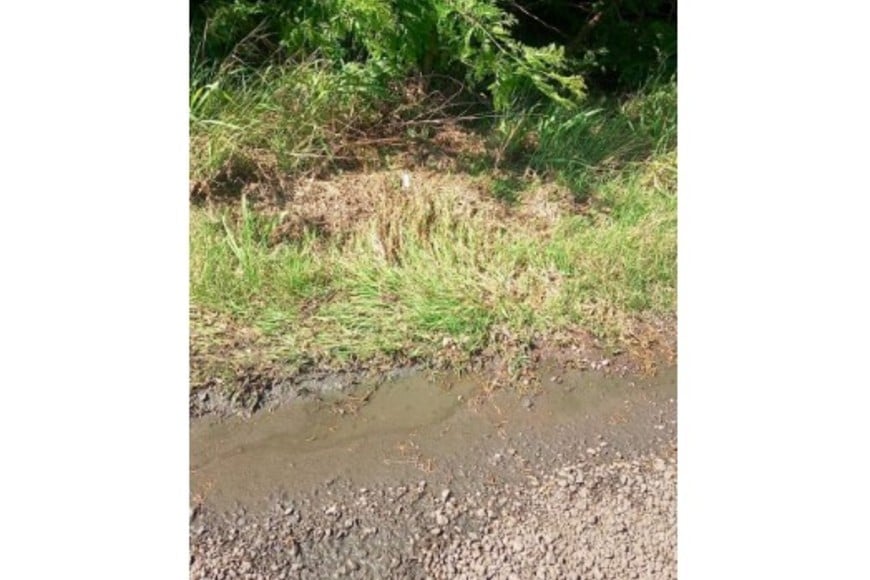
(420, 426)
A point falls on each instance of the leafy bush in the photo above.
(619, 43)
(387, 39)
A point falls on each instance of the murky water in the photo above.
(416, 426)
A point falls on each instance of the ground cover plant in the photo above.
(380, 183)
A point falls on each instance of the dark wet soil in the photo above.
(270, 387)
(419, 424)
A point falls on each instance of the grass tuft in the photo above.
(458, 262)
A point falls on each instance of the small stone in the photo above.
(445, 495)
(547, 539)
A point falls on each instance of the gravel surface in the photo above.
(578, 481)
(613, 519)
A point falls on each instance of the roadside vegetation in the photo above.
(539, 203)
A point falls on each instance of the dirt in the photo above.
(339, 205)
(227, 381)
(438, 476)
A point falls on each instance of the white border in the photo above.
(773, 254)
(94, 302)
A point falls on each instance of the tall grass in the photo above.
(582, 146)
(256, 123)
(234, 269)
(439, 266)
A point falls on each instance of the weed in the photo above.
(507, 189)
(458, 264)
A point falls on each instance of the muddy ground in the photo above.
(264, 386)
(440, 476)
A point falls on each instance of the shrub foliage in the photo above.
(383, 40)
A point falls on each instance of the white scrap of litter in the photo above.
(406, 180)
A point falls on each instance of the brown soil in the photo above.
(233, 373)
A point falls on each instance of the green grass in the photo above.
(443, 269)
(234, 270)
(582, 147)
(246, 125)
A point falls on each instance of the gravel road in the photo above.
(576, 501)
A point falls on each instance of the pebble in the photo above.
(620, 522)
